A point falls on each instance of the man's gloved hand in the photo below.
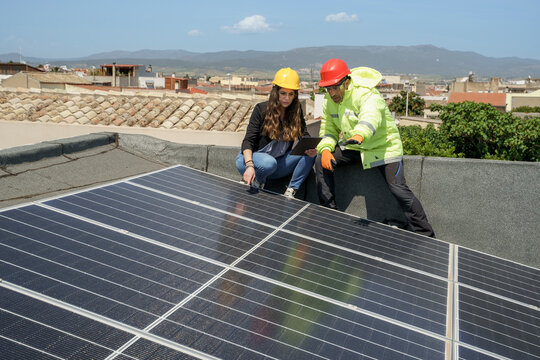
(355, 140)
(327, 160)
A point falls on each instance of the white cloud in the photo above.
(194, 32)
(250, 24)
(341, 17)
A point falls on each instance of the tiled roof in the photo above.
(495, 99)
(169, 111)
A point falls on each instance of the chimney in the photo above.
(114, 74)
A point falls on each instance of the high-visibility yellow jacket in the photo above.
(363, 112)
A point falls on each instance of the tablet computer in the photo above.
(304, 144)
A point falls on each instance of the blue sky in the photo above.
(70, 29)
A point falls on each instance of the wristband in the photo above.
(249, 161)
(250, 166)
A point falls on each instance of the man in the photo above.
(354, 111)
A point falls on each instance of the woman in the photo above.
(273, 127)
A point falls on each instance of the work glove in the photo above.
(327, 160)
(355, 140)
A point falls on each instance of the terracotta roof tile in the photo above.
(83, 120)
(91, 114)
(119, 120)
(57, 119)
(70, 119)
(65, 113)
(105, 104)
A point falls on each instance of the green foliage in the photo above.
(416, 104)
(427, 142)
(527, 109)
(481, 131)
(524, 144)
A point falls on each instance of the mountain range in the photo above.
(419, 60)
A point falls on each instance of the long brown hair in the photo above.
(292, 124)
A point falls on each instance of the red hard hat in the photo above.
(333, 71)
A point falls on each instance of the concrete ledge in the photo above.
(35, 152)
(221, 161)
(27, 153)
(195, 156)
(487, 205)
(83, 142)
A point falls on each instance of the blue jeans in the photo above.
(268, 167)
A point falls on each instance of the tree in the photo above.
(416, 104)
(527, 109)
(483, 132)
(427, 142)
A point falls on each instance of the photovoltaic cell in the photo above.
(499, 326)
(469, 354)
(499, 276)
(14, 350)
(146, 349)
(371, 238)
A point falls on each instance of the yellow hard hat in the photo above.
(287, 78)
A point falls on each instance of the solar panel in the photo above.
(181, 264)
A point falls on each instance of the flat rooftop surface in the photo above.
(51, 176)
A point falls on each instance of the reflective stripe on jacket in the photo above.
(363, 112)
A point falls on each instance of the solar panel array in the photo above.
(181, 264)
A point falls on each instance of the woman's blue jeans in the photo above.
(268, 167)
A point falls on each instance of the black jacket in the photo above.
(254, 139)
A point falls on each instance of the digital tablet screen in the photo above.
(304, 144)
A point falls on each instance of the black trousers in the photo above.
(394, 175)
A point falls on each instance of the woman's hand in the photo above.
(249, 175)
(311, 152)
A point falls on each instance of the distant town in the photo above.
(505, 95)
